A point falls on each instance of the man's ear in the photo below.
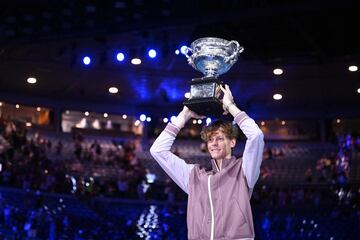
(232, 143)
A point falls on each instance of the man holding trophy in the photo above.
(218, 200)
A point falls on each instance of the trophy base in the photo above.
(210, 107)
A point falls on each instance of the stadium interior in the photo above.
(87, 86)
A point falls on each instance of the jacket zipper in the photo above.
(211, 209)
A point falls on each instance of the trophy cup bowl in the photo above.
(212, 57)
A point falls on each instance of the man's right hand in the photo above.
(190, 114)
(185, 115)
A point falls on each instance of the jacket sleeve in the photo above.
(254, 147)
(177, 169)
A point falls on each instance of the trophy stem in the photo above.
(211, 72)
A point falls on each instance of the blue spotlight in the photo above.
(86, 60)
(173, 118)
(142, 117)
(177, 51)
(152, 53)
(183, 49)
(120, 57)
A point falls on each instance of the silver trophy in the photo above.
(212, 57)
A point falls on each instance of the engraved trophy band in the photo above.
(213, 56)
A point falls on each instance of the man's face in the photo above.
(219, 145)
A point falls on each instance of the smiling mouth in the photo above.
(214, 150)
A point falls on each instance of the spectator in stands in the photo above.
(7, 213)
(308, 175)
(266, 224)
(176, 151)
(278, 152)
(59, 147)
(169, 191)
(4, 145)
(268, 154)
(203, 147)
(357, 144)
(265, 173)
(141, 187)
(122, 186)
(96, 147)
(228, 186)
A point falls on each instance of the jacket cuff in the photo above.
(172, 129)
(240, 117)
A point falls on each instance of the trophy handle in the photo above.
(238, 50)
(189, 58)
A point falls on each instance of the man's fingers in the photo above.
(222, 88)
(197, 116)
(225, 89)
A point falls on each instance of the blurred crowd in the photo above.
(336, 167)
(25, 163)
(280, 212)
(33, 163)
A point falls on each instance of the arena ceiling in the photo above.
(314, 42)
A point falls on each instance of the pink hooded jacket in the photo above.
(218, 201)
